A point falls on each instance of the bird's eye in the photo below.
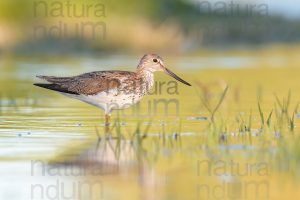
(155, 60)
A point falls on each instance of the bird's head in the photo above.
(153, 63)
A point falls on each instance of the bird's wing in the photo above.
(87, 84)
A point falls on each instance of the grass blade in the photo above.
(269, 119)
(261, 114)
(220, 102)
(278, 102)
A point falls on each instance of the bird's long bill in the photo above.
(169, 72)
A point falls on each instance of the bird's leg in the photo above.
(107, 119)
(107, 123)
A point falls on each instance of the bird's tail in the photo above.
(54, 87)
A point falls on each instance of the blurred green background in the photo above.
(168, 26)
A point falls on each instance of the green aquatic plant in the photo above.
(211, 110)
(249, 122)
(292, 122)
(268, 122)
(261, 114)
(215, 128)
(284, 105)
(282, 109)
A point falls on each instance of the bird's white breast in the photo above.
(119, 98)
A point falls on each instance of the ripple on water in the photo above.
(197, 118)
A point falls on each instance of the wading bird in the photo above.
(110, 90)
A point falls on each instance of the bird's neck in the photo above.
(147, 77)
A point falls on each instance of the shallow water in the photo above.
(56, 148)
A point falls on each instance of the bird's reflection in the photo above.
(113, 155)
